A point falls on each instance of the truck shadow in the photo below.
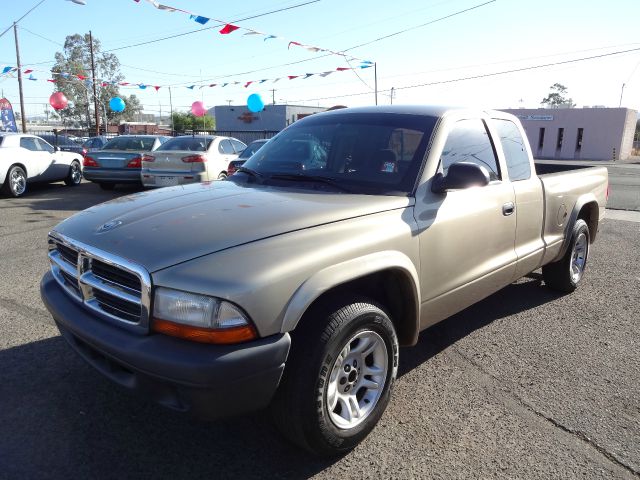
(60, 418)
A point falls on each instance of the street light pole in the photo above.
(23, 117)
(93, 78)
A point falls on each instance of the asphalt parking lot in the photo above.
(526, 384)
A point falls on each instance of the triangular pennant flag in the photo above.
(228, 28)
(28, 71)
(199, 19)
(104, 84)
(170, 9)
(81, 77)
(157, 87)
(264, 80)
(276, 79)
(291, 77)
(52, 80)
(342, 69)
(141, 86)
(367, 62)
(212, 84)
(269, 37)
(293, 43)
(253, 32)
(314, 49)
(308, 75)
(324, 74)
(31, 77)
(191, 87)
(225, 84)
(124, 84)
(248, 83)
(6, 70)
(366, 66)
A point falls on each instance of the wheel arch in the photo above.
(586, 208)
(17, 164)
(388, 278)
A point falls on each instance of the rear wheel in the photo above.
(16, 182)
(222, 176)
(338, 378)
(75, 175)
(107, 186)
(565, 274)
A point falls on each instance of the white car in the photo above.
(190, 159)
(28, 159)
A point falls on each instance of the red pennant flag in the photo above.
(342, 69)
(26, 72)
(157, 87)
(248, 83)
(124, 84)
(81, 77)
(291, 77)
(213, 84)
(228, 28)
(293, 43)
(104, 84)
(52, 80)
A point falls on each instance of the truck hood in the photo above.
(161, 228)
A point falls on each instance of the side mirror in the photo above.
(57, 148)
(461, 175)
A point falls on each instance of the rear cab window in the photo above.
(515, 151)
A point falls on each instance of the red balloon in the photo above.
(58, 101)
(198, 109)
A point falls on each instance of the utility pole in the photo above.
(93, 79)
(23, 117)
(171, 112)
(392, 94)
(621, 93)
(375, 76)
(273, 96)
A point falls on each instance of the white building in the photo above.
(579, 133)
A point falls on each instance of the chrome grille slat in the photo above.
(118, 290)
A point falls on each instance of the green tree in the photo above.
(557, 97)
(188, 121)
(75, 60)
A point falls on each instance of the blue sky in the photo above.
(500, 36)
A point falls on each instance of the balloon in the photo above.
(255, 103)
(58, 101)
(116, 104)
(198, 109)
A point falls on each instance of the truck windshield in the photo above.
(357, 152)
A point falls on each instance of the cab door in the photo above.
(35, 159)
(466, 236)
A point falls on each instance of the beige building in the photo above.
(579, 133)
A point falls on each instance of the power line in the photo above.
(214, 26)
(44, 38)
(475, 77)
(28, 12)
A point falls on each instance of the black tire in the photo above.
(301, 406)
(222, 176)
(15, 184)
(74, 177)
(565, 274)
(107, 186)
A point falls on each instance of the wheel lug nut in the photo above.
(355, 363)
(343, 380)
(347, 367)
(347, 388)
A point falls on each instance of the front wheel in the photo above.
(565, 274)
(222, 176)
(338, 378)
(74, 177)
(16, 182)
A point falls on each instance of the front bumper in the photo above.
(208, 381)
(112, 175)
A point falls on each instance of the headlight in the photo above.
(200, 318)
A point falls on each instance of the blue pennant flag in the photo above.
(199, 19)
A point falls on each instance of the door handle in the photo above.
(508, 208)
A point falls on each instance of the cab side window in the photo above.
(225, 147)
(30, 144)
(469, 141)
(42, 145)
(515, 152)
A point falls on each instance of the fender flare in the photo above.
(335, 275)
(580, 202)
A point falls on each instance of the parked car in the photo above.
(67, 143)
(94, 143)
(190, 159)
(28, 159)
(252, 148)
(120, 160)
(293, 283)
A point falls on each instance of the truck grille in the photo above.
(116, 289)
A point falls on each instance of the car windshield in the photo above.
(251, 149)
(191, 144)
(130, 143)
(371, 153)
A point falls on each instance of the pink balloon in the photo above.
(58, 101)
(198, 109)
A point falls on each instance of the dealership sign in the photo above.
(544, 118)
(6, 117)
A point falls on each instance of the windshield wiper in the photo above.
(250, 172)
(311, 178)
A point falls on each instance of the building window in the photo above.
(560, 138)
(579, 139)
(541, 139)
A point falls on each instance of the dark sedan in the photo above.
(252, 148)
(119, 160)
(65, 142)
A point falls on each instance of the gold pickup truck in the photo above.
(292, 283)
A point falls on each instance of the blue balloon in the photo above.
(255, 103)
(116, 104)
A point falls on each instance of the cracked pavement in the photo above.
(525, 384)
